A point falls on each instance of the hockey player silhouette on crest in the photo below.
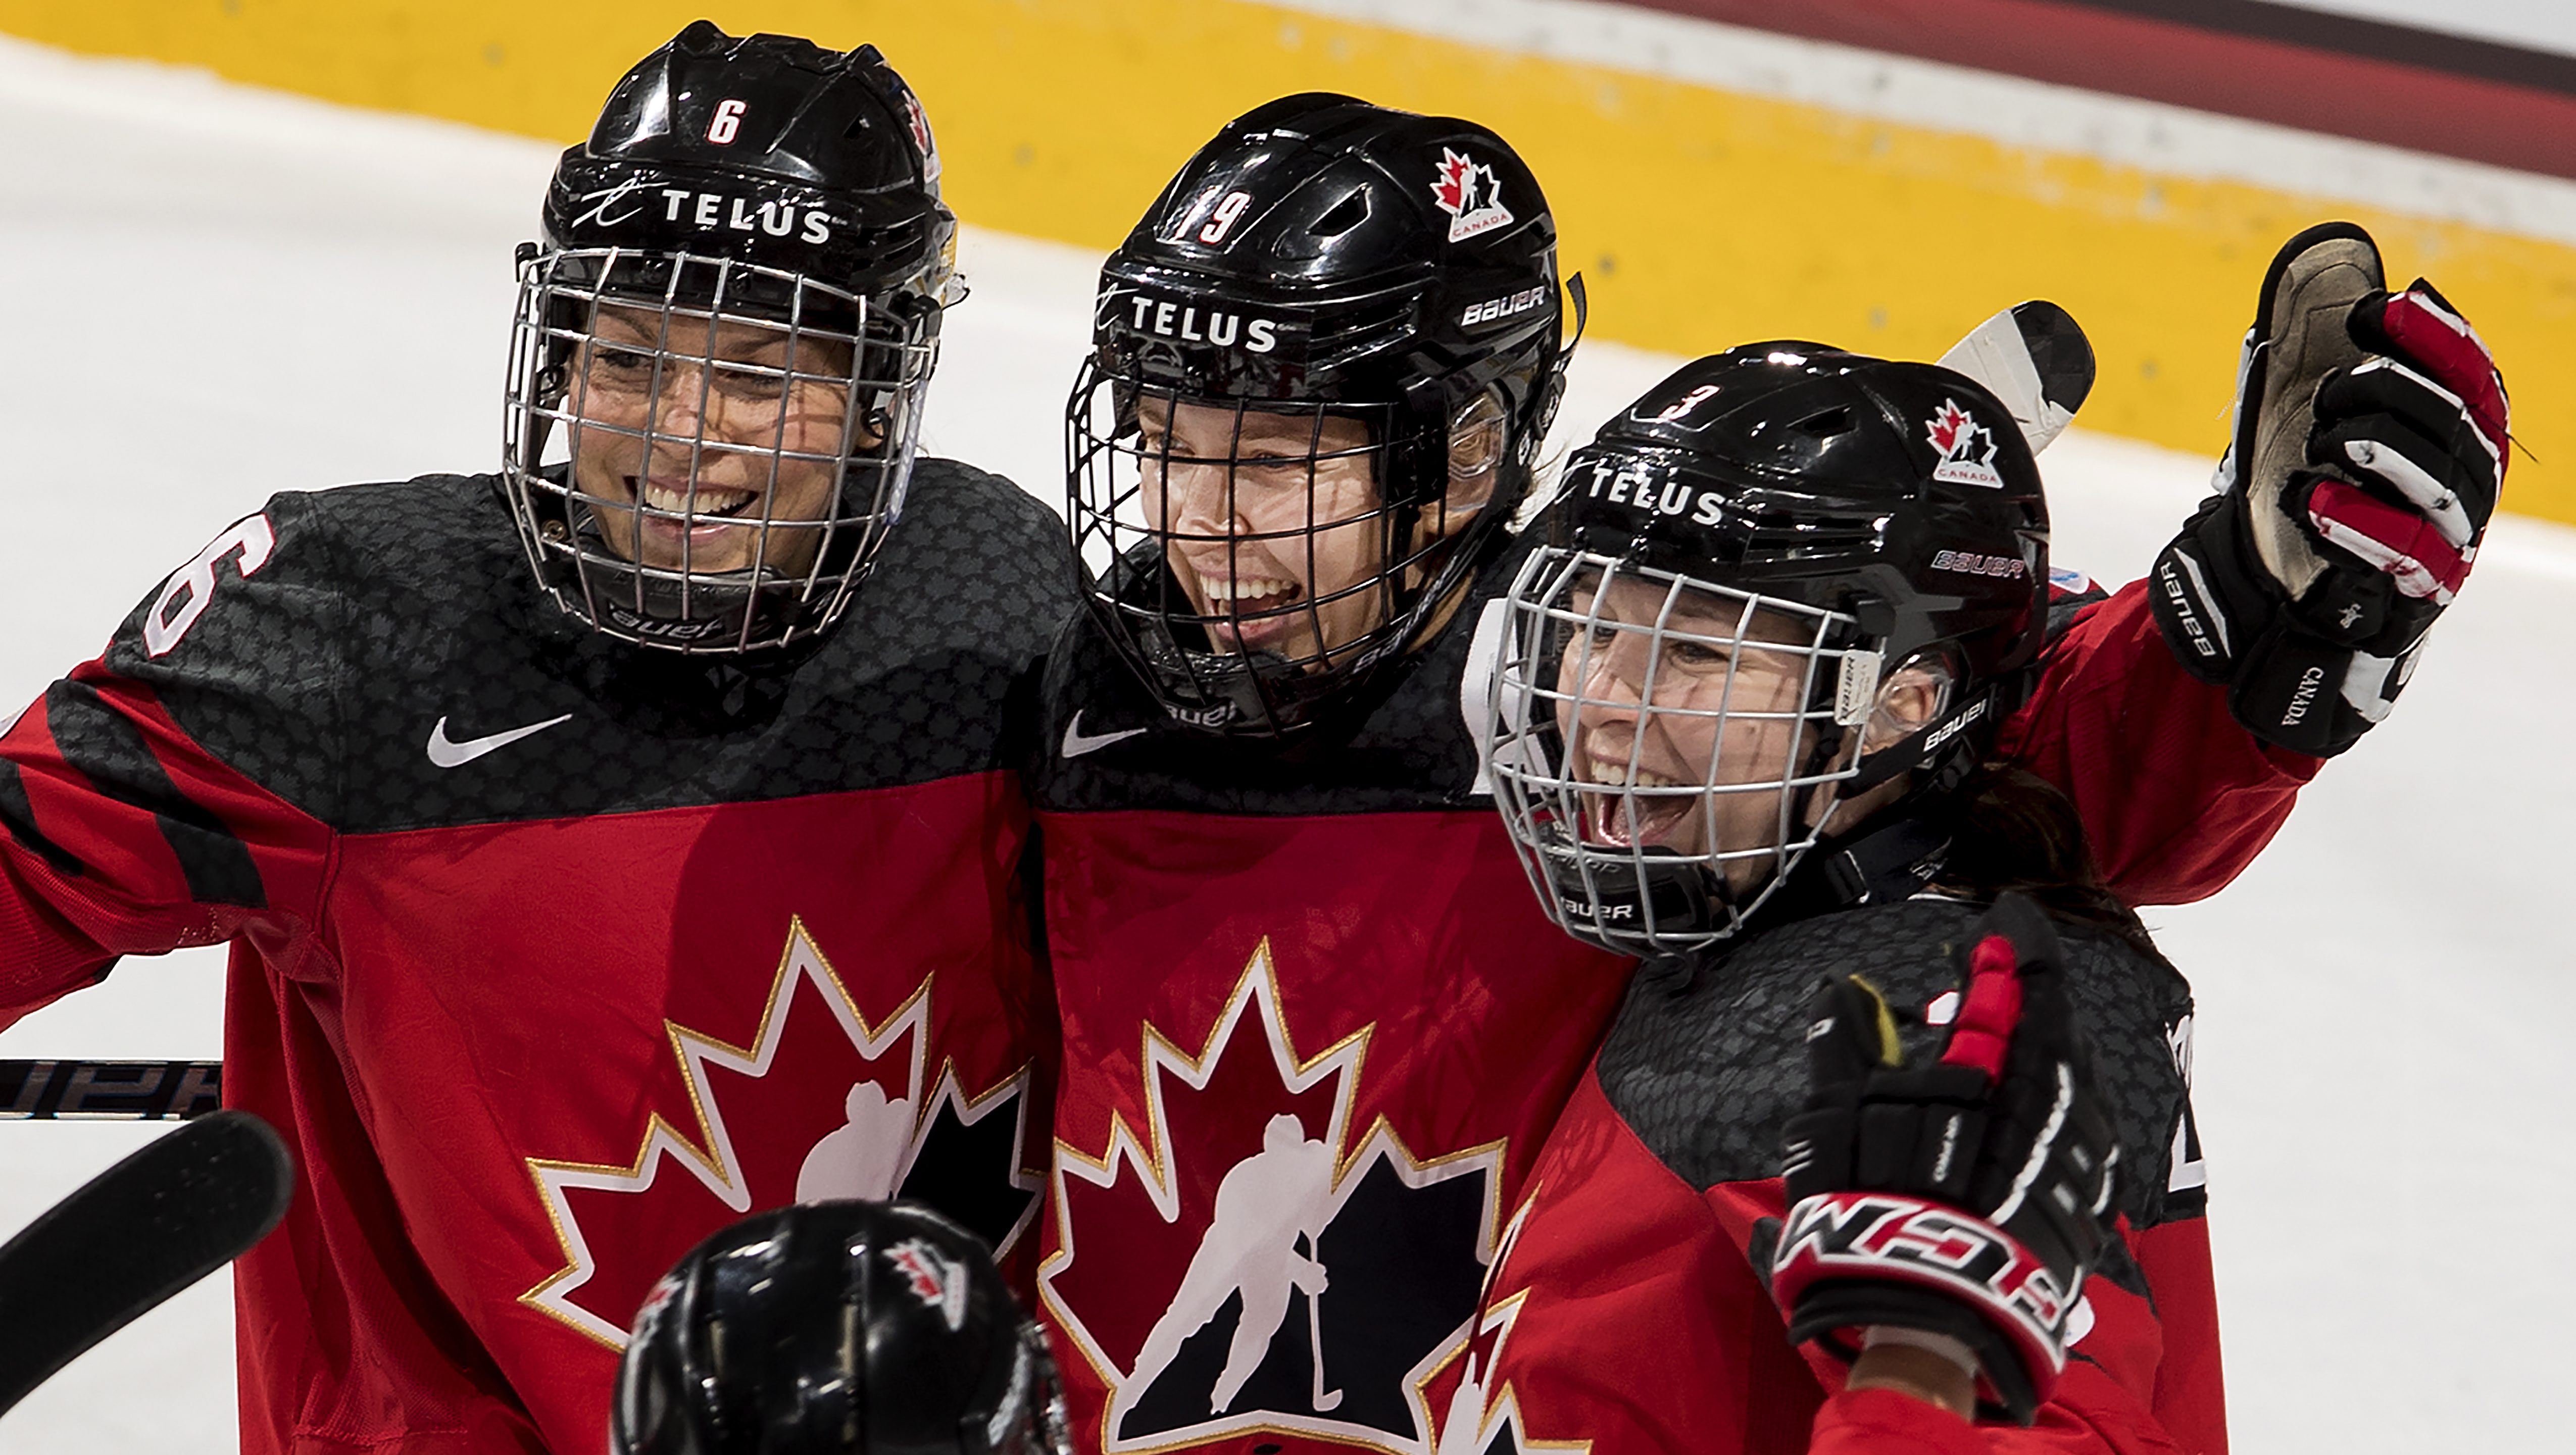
(864, 1158)
(1266, 1205)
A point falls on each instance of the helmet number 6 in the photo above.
(728, 121)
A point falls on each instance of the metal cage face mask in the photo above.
(1663, 750)
(703, 454)
(1245, 555)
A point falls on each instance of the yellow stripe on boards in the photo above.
(1700, 217)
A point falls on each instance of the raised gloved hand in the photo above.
(2369, 450)
(1968, 1198)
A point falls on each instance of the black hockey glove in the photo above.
(2369, 450)
(1967, 1198)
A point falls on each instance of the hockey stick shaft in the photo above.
(116, 1091)
(1323, 1399)
(132, 1236)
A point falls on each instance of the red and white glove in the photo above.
(1969, 1198)
(2371, 431)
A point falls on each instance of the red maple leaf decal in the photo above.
(919, 125)
(920, 1269)
(1947, 427)
(1455, 187)
(764, 1115)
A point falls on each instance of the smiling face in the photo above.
(1273, 528)
(1274, 525)
(730, 438)
(1686, 708)
(1691, 720)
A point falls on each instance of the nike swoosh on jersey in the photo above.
(447, 754)
(1075, 744)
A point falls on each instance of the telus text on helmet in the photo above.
(1637, 488)
(710, 211)
(1191, 324)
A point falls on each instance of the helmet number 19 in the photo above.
(1225, 216)
(728, 121)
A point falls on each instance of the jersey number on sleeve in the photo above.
(192, 586)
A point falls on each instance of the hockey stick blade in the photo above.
(109, 1091)
(133, 1236)
(2035, 358)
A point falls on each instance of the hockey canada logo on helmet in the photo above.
(1751, 612)
(918, 122)
(1967, 447)
(935, 1278)
(723, 342)
(1322, 363)
(809, 1331)
(1467, 190)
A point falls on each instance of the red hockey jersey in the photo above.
(1315, 1024)
(1631, 1314)
(550, 956)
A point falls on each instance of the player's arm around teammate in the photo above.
(1323, 362)
(594, 870)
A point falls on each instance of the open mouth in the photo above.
(1250, 609)
(711, 502)
(1629, 809)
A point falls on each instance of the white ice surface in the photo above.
(212, 294)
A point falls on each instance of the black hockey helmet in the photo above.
(836, 1328)
(752, 232)
(1322, 259)
(1834, 516)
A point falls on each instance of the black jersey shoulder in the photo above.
(388, 617)
(1407, 746)
(1707, 1059)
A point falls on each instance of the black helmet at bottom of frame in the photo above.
(1735, 567)
(837, 1328)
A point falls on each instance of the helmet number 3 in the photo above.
(1223, 219)
(728, 121)
(192, 587)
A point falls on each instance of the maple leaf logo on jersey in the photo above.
(1469, 192)
(1480, 1411)
(1967, 447)
(1244, 1267)
(819, 1103)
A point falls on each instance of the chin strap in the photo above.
(1888, 864)
(1882, 865)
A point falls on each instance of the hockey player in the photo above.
(1696, 714)
(575, 916)
(1324, 360)
(837, 1328)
